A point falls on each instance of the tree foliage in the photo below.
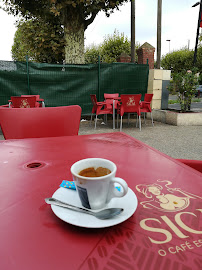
(42, 41)
(180, 60)
(177, 61)
(74, 15)
(183, 84)
(91, 54)
(111, 48)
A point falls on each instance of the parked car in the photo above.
(199, 91)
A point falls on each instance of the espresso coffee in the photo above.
(92, 172)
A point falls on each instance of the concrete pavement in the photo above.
(175, 141)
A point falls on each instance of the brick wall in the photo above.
(146, 55)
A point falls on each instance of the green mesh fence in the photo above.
(63, 85)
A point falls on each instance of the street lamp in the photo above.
(197, 33)
(169, 44)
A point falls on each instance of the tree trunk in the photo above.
(74, 40)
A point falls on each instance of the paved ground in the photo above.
(175, 141)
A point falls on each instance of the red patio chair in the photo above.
(38, 104)
(145, 106)
(99, 108)
(195, 164)
(130, 103)
(17, 123)
(109, 98)
(23, 102)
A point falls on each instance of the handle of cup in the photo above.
(113, 192)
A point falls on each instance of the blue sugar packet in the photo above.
(71, 185)
(68, 184)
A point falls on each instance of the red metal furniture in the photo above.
(130, 103)
(23, 102)
(40, 122)
(195, 164)
(112, 101)
(99, 108)
(110, 98)
(33, 238)
(145, 106)
(39, 101)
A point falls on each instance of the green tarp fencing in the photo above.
(63, 85)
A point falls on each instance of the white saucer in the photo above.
(128, 203)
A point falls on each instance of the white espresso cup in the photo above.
(96, 192)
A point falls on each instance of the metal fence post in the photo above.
(27, 65)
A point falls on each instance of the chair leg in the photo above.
(152, 119)
(144, 118)
(121, 124)
(91, 119)
(95, 121)
(128, 118)
(117, 120)
(137, 121)
(105, 118)
(140, 122)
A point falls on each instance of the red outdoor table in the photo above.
(165, 232)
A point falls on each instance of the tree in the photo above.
(111, 48)
(184, 85)
(178, 61)
(91, 54)
(42, 41)
(74, 15)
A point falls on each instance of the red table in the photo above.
(157, 236)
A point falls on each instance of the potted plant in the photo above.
(183, 84)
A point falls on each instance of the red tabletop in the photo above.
(165, 232)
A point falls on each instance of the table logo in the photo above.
(165, 198)
(173, 223)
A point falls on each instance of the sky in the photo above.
(179, 25)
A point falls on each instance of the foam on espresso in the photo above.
(92, 172)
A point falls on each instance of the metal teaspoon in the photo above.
(103, 214)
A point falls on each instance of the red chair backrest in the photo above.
(195, 164)
(93, 99)
(145, 105)
(110, 96)
(130, 103)
(17, 123)
(37, 104)
(148, 97)
(37, 96)
(23, 102)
